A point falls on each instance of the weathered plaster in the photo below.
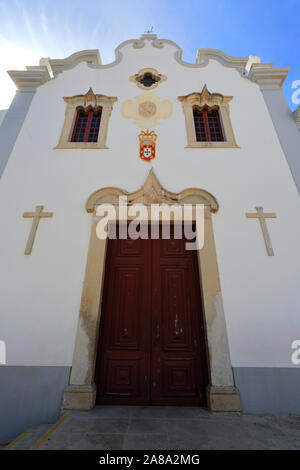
(163, 109)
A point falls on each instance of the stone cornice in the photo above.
(267, 76)
(32, 77)
(35, 76)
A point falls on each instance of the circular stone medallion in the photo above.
(147, 109)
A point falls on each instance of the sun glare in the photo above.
(13, 57)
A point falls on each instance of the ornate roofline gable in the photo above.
(48, 69)
(205, 55)
(152, 193)
(90, 56)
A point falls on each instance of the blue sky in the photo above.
(31, 29)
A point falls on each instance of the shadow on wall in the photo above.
(269, 389)
(30, 396)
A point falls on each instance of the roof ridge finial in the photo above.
(149, 31)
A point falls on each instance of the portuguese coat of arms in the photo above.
(147, 145)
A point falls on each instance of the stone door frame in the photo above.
(222, 395)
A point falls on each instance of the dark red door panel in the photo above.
(123, 366)
(151, 342)
(178, 375)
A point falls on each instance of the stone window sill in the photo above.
(81, 146)
(212, 145)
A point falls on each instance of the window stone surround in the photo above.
(205, 98)
(85, 101)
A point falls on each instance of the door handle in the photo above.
(176, 324)
(157, 337)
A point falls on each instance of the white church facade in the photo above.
(86, 321)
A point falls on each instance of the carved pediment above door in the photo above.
(152, 192)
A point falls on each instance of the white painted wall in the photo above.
(40, 294)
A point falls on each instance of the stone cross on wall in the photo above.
(37, 215)
(261, 216)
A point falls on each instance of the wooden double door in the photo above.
(151, 342)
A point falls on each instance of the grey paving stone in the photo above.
(283, 443)
(158, 412)
(95, 425)
(146, 426)
(205, 429)
(170, 427)
(288, 424)
(61, 441)
(187, 442)
(146, 442)
(110, 426)
(185, 412)
(74, 423)
(269, 426)
(112, 412)
(227, 442)
(99, 442)
(264, 431)
(28, 441)
(83, 441)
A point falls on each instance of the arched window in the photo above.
(207, 119)
(86, 121)
(87, 124)
(208, 125)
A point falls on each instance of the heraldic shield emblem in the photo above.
(147, 145)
